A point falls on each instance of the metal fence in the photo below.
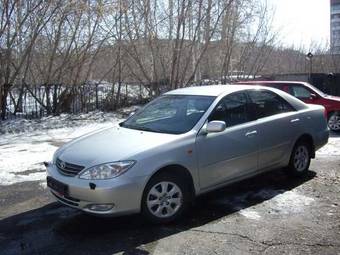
(39, 101)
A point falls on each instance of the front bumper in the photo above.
(123, 193)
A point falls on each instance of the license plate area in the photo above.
(57, 186)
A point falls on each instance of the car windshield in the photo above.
(318, 91)
(174, 114)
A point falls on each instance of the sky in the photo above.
(302, 21)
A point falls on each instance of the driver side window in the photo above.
(300, 92)
(232, 109)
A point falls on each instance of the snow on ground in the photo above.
(250, 214)
(332, 148)
(288, 202)
(22, 153)
(274, 202)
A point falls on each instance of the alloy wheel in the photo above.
(334, 122)
(164, 199)
(301, 158)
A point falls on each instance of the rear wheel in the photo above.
(165, 198)
(334, 122)
(300, 159)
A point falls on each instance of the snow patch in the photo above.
(10, 178)
(289, 202)
(250, 214)
(332, 148)
(279, 202)
(22, 154)
(43, 184)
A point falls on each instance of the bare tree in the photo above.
(60, 46)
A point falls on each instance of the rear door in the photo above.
(278, 123)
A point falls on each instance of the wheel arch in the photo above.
(329, 114)
(309, 139)
(177, 170)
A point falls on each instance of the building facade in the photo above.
(335, 26)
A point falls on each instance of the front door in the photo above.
(233, 152)
(305, 94)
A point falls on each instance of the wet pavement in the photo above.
(268, 214)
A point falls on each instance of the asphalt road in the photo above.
(268, 214)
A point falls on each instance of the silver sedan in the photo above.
(182, 144)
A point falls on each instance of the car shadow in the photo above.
(56, 229)
(334, 134)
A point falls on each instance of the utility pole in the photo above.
(309, 57)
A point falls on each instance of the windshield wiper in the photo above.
(147, 129)
(142, 128)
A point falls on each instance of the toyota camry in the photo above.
(185, 143)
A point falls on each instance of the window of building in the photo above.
(335, 7)
(336, 23)
(335, 16)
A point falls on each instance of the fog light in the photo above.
(100, 207)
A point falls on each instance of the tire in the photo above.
(300, 159)
(163, 207)
(334, 122)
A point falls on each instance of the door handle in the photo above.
(251, 133)
(294, 120)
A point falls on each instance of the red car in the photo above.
(310, 95)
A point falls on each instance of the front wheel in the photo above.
(334, 122)
(300, 159)
(165, 198)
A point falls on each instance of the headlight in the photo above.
(107, 170)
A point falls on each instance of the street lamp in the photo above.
(309, 57)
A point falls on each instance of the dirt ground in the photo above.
(268, 214)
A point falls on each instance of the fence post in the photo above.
(126, 93)
(97, 103)
(140, 92)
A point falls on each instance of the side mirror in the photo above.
(132, 113)
(313, 96)
(215, 126)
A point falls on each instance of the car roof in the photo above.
(210, 90)
(274, 82)
(287, 83)
(222, 90)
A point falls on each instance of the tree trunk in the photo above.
(5, 90)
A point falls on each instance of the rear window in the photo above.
(267, 103)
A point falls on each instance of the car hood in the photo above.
(111, 144)
(335, 98)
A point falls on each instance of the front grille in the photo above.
(68, 168)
